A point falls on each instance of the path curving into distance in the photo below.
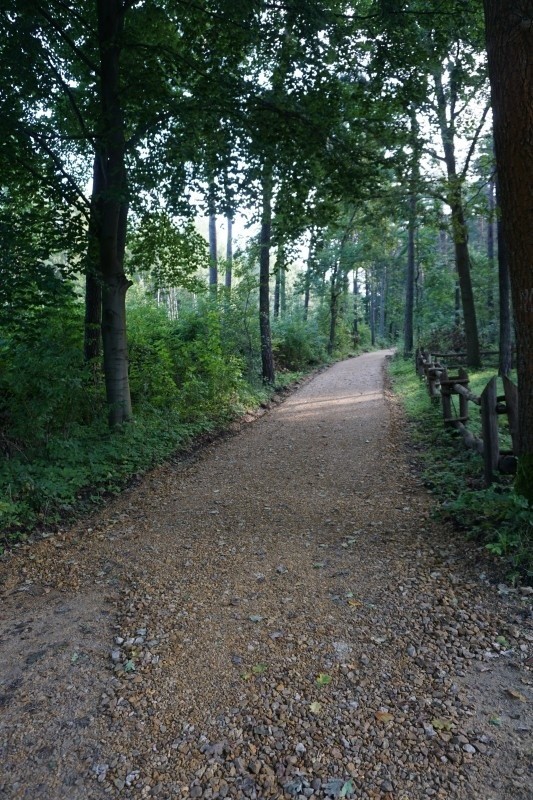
(277, 617)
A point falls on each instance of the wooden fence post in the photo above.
(489, 422)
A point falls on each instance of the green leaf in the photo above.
(323, 679)
(129, 666)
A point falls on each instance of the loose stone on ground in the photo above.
(278, 618)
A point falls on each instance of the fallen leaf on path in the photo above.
(442, 724)
(323, 679)
(384, 716)
(315, 708)
(516, 695)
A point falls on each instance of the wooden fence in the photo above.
(442, 387)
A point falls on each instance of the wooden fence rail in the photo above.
(442, 387)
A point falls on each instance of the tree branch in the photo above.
(66, 38)
(474, 142)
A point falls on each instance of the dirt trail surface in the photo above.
(277, 617)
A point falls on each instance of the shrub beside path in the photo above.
(277, 617)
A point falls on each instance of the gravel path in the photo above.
(276, 617)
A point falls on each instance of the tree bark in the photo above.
(113, 202)
(410, 279)
(382, 301)
(333, 307)
(283, 289)
(506, 337)
(213, 255)
(509, 33)
(459, 229)
(355, 326)
(308, 268)
(267, 359)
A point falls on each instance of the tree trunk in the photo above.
(333, 308)
(506, 338)
(308, 268)
(93, 279)
(229, 254)
(491, 225)
(114, 211)
(213, 255)
(382, 301)
(355, 326)
(459, 229)
(462, 261)
(267, 358)
(372, 314)
(408, 337)
(410, 279)
(277, 285)
(280, 300)
(283, 289)
(509, 32)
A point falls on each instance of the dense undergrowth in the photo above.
(495, 516)
(188, 376)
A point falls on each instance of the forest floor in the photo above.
(276, 616)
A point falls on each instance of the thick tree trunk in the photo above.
(267, 358)
(462, 262)
(509, 31)
(506, 336)
(459, 229)
(114, 211)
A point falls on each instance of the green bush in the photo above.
(297, 344)
(45, 387)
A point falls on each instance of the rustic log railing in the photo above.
(442, 387)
